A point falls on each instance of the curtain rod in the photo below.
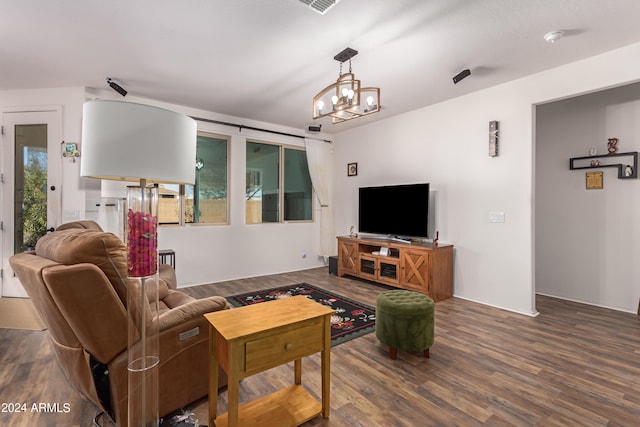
(240, 127)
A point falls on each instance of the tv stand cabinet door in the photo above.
(347, 257)
(414, 269)
(388, 271)
(381, 269)
(368, 267)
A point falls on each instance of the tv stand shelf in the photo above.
(420, 267)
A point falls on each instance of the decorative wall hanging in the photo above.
(594, 180)
(352, 169)
(70, 150)
(493, 138)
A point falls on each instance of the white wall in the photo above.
(447, 145)
(587, 240)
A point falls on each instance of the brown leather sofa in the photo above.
(77, 280)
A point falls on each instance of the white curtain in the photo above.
(319, 160)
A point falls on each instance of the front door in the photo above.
(30, 184)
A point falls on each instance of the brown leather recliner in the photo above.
(77, 280)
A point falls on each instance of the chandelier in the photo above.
(346, 99)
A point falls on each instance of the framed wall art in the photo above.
(594, 180)
(352, 169)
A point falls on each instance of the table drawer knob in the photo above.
(288, 346)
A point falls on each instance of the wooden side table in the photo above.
(248, 340)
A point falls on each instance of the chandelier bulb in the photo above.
(334, 99)
(350, 96)
(369, 100)
(345, 91)
(320, 105)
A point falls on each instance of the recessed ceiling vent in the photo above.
(320, 6)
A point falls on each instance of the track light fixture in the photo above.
(345, 99)
(115, 86)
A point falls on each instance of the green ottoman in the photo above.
(405, 321)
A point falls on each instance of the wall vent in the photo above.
(320, 6)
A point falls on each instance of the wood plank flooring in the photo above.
(573, 365)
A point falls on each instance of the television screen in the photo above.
(395, 210)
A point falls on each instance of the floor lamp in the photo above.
(134, 142)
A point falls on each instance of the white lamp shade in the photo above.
(127, 141)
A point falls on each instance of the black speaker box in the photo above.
(333, 265)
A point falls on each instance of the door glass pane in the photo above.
(297, 186)
(263, 183)
(30, 197)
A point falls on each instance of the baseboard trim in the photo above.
(586, 303)
(524, 313)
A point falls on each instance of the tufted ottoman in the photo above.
(405, 321)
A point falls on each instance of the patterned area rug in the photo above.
(351, 319)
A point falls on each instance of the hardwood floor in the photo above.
(573, 365)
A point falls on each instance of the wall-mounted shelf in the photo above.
(585, 163)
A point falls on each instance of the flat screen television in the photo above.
(394, 210)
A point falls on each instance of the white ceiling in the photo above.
(266, 59)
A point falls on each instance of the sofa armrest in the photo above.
(190, 310)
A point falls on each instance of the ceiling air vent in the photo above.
(320, 6)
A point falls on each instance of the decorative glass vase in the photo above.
(142, 305)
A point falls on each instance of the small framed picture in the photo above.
(352, 169)
(594, 180)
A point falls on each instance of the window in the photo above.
(270, 187)
(297, 186)
(205, 202)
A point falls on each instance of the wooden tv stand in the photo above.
(420, 267)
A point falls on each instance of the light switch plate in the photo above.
(496, 217)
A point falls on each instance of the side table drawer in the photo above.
(277, 349)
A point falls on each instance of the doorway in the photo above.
(586, 238)
(31, 193)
